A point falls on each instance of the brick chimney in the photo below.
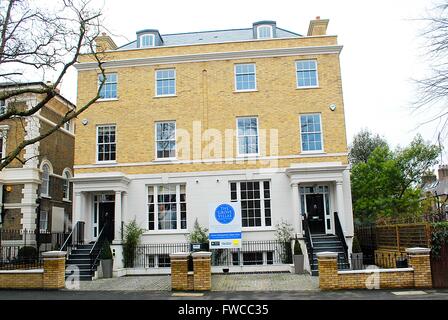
(318, 27)
(104, 43)
(443, 172)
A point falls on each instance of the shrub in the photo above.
(356, 247)
(27, 254)
(106, 252)
(199, 234)
(283, 234)
(297, 248)
(132, 234)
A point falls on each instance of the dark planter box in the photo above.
(298, 264)
(402, 263)
(195, 247)
(107, 267)
(357, 261)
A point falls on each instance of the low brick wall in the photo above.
(198, 280)
(52, 276)
(418, 275)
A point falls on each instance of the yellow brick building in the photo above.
(253, 116)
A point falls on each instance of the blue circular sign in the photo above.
(224, 214)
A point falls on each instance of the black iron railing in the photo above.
(308, 238)
(340, 235)
(95, 252)
(268, 252)
(74, 239)
(19, 257)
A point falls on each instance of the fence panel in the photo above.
(439, 268)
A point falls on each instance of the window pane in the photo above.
(109, 89)
(311, 134)
(245, 77)
(306, 73)
(247, 136)
(166, 139)
(166, 82)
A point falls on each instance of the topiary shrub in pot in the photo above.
(298, 257)
(357, 256)
(107, 261)
(198, 238)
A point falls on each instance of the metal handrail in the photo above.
(308, 236)
(70, 237)
(340, 234)
(99, 240)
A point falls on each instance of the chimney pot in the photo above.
(318, 18)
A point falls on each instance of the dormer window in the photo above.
(147, 40)
(264, 32)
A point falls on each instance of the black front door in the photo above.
(316, 212)
(107, 215)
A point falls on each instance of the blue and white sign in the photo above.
(225, 225)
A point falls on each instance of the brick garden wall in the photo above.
(418, 275)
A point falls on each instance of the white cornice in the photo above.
(200, 57)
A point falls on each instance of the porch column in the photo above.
(117, 227)
(77, 212)
(124, 207)
(340, 203)
(297, 219)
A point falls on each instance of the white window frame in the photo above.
(50, 173)
(297, 74)
(157, 95)
(321, 134)
(262, 207)
(4, 106)
(175, 141)
(68, 126)
(235, 77)
(156, 208)
(97, 145)
(46, 221)
(151, 36)
(265, 26)
(116, 83)
(3, 135)
(66, 175)
(238, 138)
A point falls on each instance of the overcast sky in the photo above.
(382, 48)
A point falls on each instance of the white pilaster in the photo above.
(296, 208)
(124, 212)
(118, 215)
(29, 206)
(340, 204)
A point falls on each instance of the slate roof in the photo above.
(215, 36)
(439, 186)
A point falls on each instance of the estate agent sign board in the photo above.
(225, 225)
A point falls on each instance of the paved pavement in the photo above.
(285, 295)
(228, 282)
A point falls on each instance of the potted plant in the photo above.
(198, 238)
(131, 239)
(298, 257)
(107, 261)
(357, 256)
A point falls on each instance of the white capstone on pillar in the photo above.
(296, 208)
(117, 227)
(340, 203)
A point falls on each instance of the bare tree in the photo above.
(433, 90)
(44, 39)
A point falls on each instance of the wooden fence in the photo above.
(396, 237)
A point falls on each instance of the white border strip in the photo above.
(218, 161)
(201, 57)
(375, 270)
(32, 271)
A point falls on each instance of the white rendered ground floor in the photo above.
(166, 205)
